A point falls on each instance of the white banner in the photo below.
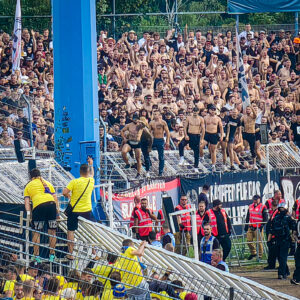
(16, 55)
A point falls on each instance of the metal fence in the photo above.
(94, 264)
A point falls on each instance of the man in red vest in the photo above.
(199, 219)
(143, 218)
(137, 204)
(184, 223)
(272, 203)
(220, 225)
(161, 219)
(256, 215)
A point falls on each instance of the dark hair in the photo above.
(152, 235)
(53, 286)
(111, 258)
(205, 187)
(127, 242)
(84, 169)
(115, 278)
(34, 173)
(95, 289)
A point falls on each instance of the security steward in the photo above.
(296, 275)
(45, 208)
(137, 204)
(207, 244)
(184, 223)
(199, 219)
(280, 228)
(296, 209)
(256, 215)
(143, 217)
(220, 224)
(273, 202)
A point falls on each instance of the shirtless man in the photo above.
(158, 128)
(211, 137)
(133, 141)
(41, 139)
(194, 127)
(248, 122)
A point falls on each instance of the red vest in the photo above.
(270, 205)
(144, 219)
(185, 218)
(131, 223)
(276, 211)
(297, 208)
(256, 214)
(162, 221)
(199, 221)
(213, 221)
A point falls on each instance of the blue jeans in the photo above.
(159, 145)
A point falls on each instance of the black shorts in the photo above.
(212, 138)
(45, 212)
(231, 139)
(72, 222)
(134, 144)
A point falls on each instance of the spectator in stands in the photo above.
(217, 260)
(153, 241)
(79, 191)
(168, 237)
(114, 279)
(19, 290)
(11, 279)
(52, 290)
(28, 288)
(131, 270)
(45, 208)
(203, 195)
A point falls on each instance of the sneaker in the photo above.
(138, 175)
(242, 167)
(294, 281)
(37, 259)
(196, 170)
(251, 256)
(127, 166)
(148, 174)
(181, 161)
(201, 159)
(280, 277)
(232, 168)
(255, 167)
(52, 258)
(213, 169)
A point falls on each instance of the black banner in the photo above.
(290, 186)
(235, 190)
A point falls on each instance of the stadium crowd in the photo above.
(179, 91)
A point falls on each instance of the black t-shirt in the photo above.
(233, 124)
(223, 57)
(166, 240)
(295, 127)
(207, 54)
(224, 121)
(203, 198)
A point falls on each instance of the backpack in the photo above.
(280, 227)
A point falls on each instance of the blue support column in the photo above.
(76, 87)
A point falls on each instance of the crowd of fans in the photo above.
(33, 81)
(120, 276)
(172, 74)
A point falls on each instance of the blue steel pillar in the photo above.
(75, 75)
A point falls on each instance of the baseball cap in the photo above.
(131, 31)
(177, 77)
(216, 202)
(283, 205)
(119, 291)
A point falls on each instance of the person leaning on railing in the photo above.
(79, 191)
(45, 207)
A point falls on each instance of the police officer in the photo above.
(280, 228)
(256, 215)
(220, 224)
(296, 275)
(207, 244)
(184, 223)
(143, 219)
